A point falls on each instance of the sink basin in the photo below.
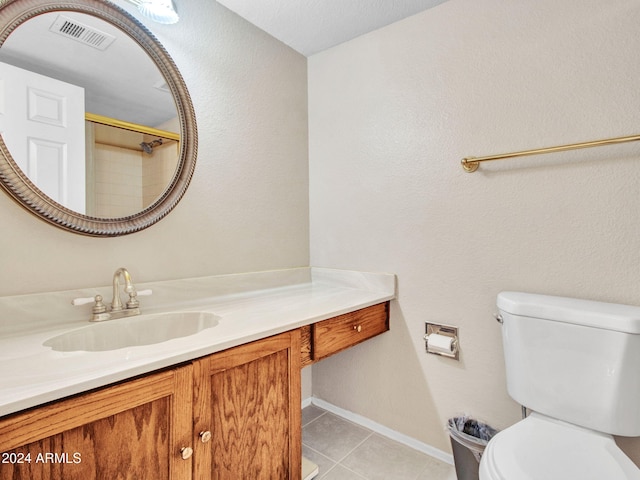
(133, 332)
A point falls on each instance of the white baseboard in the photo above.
(380, 429)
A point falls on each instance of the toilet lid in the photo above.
(542, 448)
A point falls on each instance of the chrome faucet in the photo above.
(101, 312)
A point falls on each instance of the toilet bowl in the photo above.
(574, 364)
(543, 448)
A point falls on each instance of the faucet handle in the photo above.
(82, 301)
(133, 300)
(98, 307)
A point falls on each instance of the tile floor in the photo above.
(346, 451)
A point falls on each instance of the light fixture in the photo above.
(161, 11)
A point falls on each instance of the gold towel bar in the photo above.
(471, 164)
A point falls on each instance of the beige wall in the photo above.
(247, 206)
(390, 116)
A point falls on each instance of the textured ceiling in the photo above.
(310, 26)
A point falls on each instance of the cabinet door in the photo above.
(133, 430)
(247, 411)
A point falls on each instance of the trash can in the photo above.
(468, 437)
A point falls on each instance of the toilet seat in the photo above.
(543, 448)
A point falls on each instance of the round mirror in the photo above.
(98, 133)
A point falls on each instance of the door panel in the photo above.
(248, 397)
(131, 431)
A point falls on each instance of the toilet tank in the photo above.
(574, 360)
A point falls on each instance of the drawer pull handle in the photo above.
(186, 452)
(205, 436)
(357, 328)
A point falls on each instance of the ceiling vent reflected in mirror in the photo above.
(82, 33)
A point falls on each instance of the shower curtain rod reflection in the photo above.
(471, 164)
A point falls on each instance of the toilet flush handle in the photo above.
(498, 318)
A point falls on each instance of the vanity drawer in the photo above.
(335, 334)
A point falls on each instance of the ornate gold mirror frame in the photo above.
(15, 182)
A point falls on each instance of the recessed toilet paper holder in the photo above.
(442, 340)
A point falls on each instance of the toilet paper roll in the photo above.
(440, 344)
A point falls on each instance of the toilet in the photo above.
(575, 364)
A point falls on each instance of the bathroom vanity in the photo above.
(231, 410)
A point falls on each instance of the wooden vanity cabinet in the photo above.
(232, 415)
(132, 430)
(324, 338)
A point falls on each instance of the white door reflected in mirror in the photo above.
(42, 123)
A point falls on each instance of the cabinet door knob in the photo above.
(357, 328)
(205, 436)
(186, 452)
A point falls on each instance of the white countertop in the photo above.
(250, 306)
